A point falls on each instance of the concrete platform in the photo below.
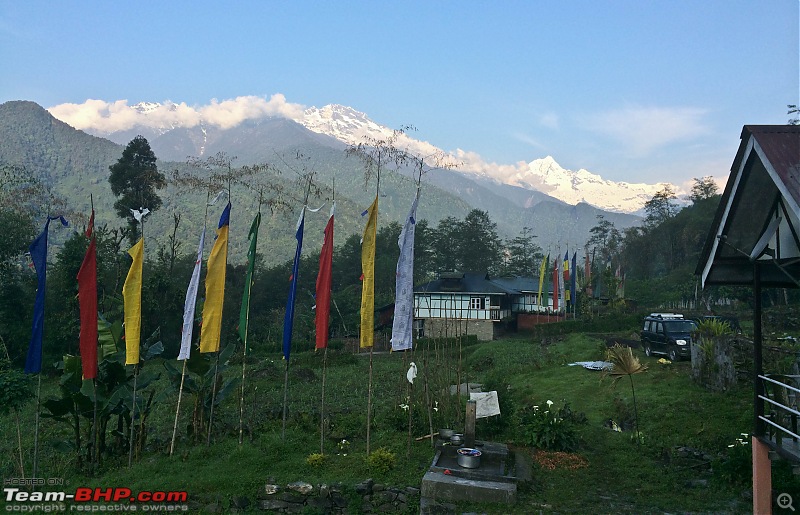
(494, 481)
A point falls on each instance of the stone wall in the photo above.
(302, 497)
(441, 327)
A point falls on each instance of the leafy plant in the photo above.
(625, 364)
(315, 459)
(15, 392)
(201, 373)
(381, 460)
(550, 429)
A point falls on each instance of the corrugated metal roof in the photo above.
(766, 169)
(781, 146)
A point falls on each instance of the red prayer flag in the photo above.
(87, 301)
(323, 293)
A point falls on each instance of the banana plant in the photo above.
(201, 369)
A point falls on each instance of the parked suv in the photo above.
(669, 334)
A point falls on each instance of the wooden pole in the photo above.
(246, 327)
(213, 400)
(133, 413)
(216, 363)
(427, 393)
(177, 410)
(469, 424)
(369, 400)
(285, 397)
(94, 457)
(322, 403)
(36, 424)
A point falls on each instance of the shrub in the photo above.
(550, 429)
(381, 460)
(315, 459)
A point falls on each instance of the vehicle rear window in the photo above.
(680, 326)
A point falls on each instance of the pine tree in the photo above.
(134, 180)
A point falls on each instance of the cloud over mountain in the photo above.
(641, 130)
(108, 117)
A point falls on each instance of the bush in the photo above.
(315, 459)
(381, 460)
(550, 429)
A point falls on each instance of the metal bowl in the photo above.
(468, 457)
(457, 439)
(446, 433)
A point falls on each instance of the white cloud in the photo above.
(473, 162)
(642, 130)
(106, 117)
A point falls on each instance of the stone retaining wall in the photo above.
(302, 497)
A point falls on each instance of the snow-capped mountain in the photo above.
(545, 175)
(121, 122)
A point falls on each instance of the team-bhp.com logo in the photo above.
(86, 499)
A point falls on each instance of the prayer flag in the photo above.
(288, 319)
(574, 276)
(403, 323)
(251, 263)
(87, 303)
(323, 289)
(368, 274)
(567, 292)
(132, 299)
(542, 273)
(555, 284)
(38, 250)
(191, 300)
(211, 327)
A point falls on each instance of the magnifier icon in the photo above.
(785, 501)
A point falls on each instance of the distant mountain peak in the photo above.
(546, 175)
(343, 123)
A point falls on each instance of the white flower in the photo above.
(549, 403)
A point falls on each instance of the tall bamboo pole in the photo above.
(286, 367)
(322, 403)
(216, 362)
(135, 379)
(183, 368)
(369, 391)
(244, 343)
(325, 358)
(177, 410)
(36, 423)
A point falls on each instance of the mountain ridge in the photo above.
(352, 127)
(77, 165)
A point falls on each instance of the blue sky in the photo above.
(634, 91)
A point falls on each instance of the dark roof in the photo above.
(519, 284)
(764, 184)
(479, 282)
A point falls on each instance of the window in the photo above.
(419, 327)
(477, 303)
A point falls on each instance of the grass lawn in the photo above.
(683, 462)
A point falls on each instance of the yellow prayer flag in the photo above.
(132, 298)
(368, 276)
(211, 327)
(542, 272)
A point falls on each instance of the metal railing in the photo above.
(781, 395)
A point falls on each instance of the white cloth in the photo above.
(403, 323)
(191, 301)
(412, 373)
(486, 404)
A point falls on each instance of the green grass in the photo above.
(621, 477)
